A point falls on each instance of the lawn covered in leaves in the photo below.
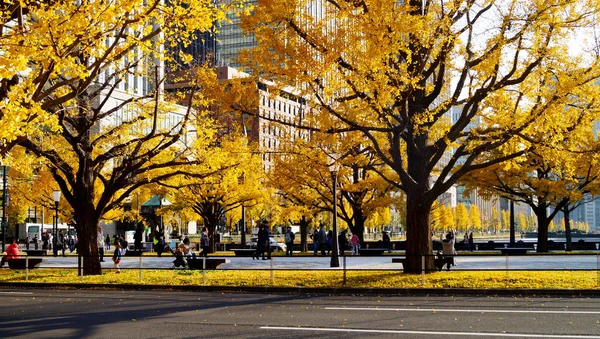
(325, 278)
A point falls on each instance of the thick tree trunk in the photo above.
(211, 225)
(569, 239)
(418, 236)
(304, 234)
(87, 245)
(543, 223)
(358, 223)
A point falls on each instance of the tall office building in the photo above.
(230, 39)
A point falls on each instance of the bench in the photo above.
(19, 264)
(398, 261)
(244, 252)
(130, 253)
(514, 250)
(211, 263)
(371, 251)
(36, 253)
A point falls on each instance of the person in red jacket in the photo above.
(12, 252)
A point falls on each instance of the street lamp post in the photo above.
(56, 198)
(335, 262)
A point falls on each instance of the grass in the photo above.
(567, 280)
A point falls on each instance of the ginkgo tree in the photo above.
(303, 176)
(239, 181)
(546, 179)
(89, 100)
(394, 70)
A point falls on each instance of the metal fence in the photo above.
(465, 263)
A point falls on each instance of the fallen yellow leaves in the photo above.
(306, 278)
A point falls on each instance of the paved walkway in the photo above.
(470, 262)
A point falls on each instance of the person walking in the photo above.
(59, 244)
(289, 242)
(160, 245)
(259, 242)
(448, 249)
(355, 242)
(45, 240)
(466, 241)
(205, 241)
(71, 244)
(329, 241)
(107, 242)
(35, 242)
(315, 238)
(387, 244)
(137, 238)
(27, 241)
(100, 241)
(471, 247)
(322, 240)
(116, 258)
(343, 241)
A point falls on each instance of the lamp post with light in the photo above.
(334, 168)
(56, 198)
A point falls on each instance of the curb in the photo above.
(311, 290)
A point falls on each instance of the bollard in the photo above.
(26, 267)
(507, 268)
(272, 275)
(140, 268)
(81, 270)
(422, 270)
(204, 270)
(344, 270)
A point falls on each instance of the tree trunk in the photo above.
(418, 236)
(304, 234)
(87, 245)
(569, 247)
(358, 223)
(543, 223)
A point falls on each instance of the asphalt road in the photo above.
(30, 313)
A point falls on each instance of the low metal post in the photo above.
(81, 270)
(140, 268)
(507, 270)
(26, 267)
(272, 275)
(423, 270)
(344, 270)
(204, 270)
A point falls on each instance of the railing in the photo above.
(507, 263)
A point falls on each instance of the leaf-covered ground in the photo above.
(306, 278)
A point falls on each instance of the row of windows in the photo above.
(281, 105)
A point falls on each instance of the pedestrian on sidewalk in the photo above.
(100, 241)
(343, 241)
(116, 258)
(289, 242)
(315, 238)
(355, 242)
(205, 241)
(448, 249)
(471, 246)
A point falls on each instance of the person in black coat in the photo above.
(343, 241)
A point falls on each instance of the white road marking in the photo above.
(473, 334)
(24, 293)
(434, 310)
